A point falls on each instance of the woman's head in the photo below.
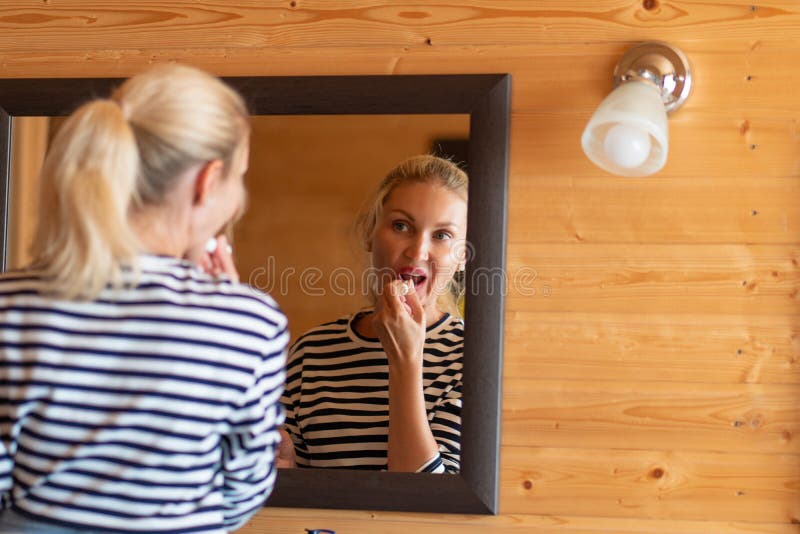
(116, 157)
(415, 228)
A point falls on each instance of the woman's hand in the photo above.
(399, 320)
(286, 457)
(217, 260)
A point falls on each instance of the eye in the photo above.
(400, 226)
(442, 235)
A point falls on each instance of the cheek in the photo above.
(378, 254)
(445, 265)
(384, 248)
(448, 257)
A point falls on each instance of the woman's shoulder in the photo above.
(449, 326)
(183, 283)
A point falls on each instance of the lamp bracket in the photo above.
(660, 64)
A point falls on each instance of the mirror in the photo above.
(485, 99)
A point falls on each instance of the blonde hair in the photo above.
(417, 169)
(112, 156)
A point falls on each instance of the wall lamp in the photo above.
(627, 134)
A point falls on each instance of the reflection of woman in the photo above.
(381, 389)
(139, 393)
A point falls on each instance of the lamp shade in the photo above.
(628, 135)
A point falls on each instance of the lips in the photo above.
(417, 276)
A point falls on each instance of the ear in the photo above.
(206, 180)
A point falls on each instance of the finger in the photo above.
(416, 310)
(391, 296)
(205, 264)
(223, 256)
(286, 446)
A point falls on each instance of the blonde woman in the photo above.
(381, 388)
(140, 394)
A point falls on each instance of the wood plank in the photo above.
(707, 349)
(648, 308)
(651, 484)
(731, 78)
(739, 79)
(29, 144)
(661, 209)
(651, 415)
(651, 279)
(30, 25)
(702, 146)
(292, 521)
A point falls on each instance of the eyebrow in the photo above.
(411, 218)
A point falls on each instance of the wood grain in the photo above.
(29, 25)
(656, 483)
(291, 521)
(661, 209)
(737, 79)
(652, 279)
(651, 415)
(702, 147)
(701, 349)
(29, 143)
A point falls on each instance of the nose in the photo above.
(418, 248)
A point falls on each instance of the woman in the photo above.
(140, 393)
(381, 388)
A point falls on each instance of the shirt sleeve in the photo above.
(445, 422)
(291, 404)
(6, 483)
(249, 450)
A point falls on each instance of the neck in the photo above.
(159, 233)
(432, 315)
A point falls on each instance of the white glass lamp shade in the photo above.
(627, 135)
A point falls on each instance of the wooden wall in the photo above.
(656, 388)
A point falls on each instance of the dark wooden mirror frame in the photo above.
(486, 98)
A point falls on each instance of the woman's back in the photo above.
(127, 408)
(141, 395)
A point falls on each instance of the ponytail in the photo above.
(114, 158)
(88, 183)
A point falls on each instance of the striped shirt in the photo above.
(337, 396)
(153, 408)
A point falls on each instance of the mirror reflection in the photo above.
(381, 388)
(309, 178)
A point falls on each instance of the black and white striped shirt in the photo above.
(337, 396)
(150, 409)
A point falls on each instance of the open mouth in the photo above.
(417, 279)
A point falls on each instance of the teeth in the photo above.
(413, 278)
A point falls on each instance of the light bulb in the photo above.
(627, 145)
